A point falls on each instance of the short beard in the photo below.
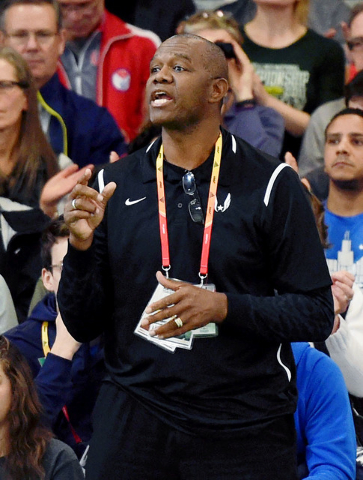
(180, 125)
(351, 185)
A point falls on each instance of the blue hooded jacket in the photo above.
(79, 128)
(59, 381)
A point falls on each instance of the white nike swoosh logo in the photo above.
(128, 202)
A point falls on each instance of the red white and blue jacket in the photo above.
(123, 70)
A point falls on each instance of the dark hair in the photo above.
(354, 88)
(33, 148)
(345, 111)
(28, 438)
(356, 10)
(10, 3)
(319, 214)
(57, 228)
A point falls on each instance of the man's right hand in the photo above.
(85, 210)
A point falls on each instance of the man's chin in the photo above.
(176, 124)
(351, 184)
(77, 34)
(162, 121)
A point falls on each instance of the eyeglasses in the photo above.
(58, 265)
(8, 85)
(195, 205)
(43, 38)
(84, 7)
(355, 43)
(211, 19)
(208, 14)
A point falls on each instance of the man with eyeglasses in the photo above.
(107, 60)
(67, 374)
(201, 377)
(75, 126)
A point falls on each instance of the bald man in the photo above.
(201, 377)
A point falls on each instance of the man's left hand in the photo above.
(193, 306)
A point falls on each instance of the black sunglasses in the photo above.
(195, 205)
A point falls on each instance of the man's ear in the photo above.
(47, 278)
(62, 41)
(219, 90)
(2, 39)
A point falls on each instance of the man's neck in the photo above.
(189, 149)
(345, 202)
(274, 28)
(40, 82)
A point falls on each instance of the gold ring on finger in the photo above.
(179, 322)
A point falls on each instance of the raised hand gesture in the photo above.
(85, 210)
(58, 186)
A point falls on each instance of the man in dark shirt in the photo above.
(181, 401)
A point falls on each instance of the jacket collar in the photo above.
(45, 310)
(50, 91)
(113, 26)
(226, 177)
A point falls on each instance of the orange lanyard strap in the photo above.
(164, 238)
(163, 224)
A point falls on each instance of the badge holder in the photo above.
(211, 330)
(184, 341)
(170, 344)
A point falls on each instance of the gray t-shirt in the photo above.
(60, 463)
(80, 60)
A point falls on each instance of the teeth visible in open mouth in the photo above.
(160, 101)
(160, 98)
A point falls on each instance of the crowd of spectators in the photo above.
(73, 77)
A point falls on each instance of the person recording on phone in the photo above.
(262, 127)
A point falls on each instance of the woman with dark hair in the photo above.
(27, 160)
(27, 449)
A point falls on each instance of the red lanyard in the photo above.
(164, 238)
